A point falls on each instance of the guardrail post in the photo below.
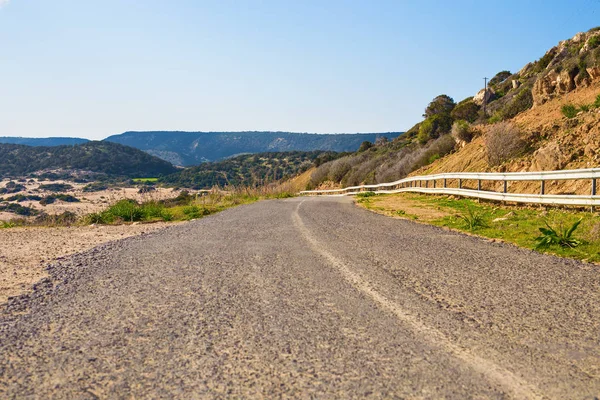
(444, 182)
(592, 209)
(479, 184)
(543, 187)
(426, 184)
(460, 183)
(505, 186)
(434, 184)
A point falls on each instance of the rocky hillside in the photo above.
(98, 157)
(192, 148)
(544, 117)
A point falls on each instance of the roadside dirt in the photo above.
(24, 252)
(407, 207)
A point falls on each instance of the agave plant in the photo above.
(551, 236)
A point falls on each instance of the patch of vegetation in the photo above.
(473, 219)
(12, 187)
(144, 180)
(18, 209)
(95, 187)
(19, 198)
(56, 187)
(67, 198)
(503, 141)
(569, 111)
(559, 237)
(462, 131)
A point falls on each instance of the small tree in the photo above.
(503, 141)
(442, 104)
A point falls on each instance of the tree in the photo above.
(364, 146)
(442, 104)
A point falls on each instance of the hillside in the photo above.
(248, 170)
(544, 117)
(53, 141)
(192, 148)
(101, 157)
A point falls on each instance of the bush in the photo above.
(195, 212)
(503, 141)
(462, 131)
(56, 187)
(366, 145)
(597, 102)
(569, 111)
(466, 110)
(594, 42)
(127, 210)
(521, 102)
(434, 127)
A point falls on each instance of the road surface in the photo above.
(305, 298)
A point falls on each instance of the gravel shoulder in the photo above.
(304, 297)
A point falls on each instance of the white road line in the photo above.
(515, 385)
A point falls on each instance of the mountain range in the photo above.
(193, 148)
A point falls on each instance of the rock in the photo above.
(500, 219)
(579, 37)
(594, 72)
(482, 94)
(515, 83)
(590, 150)
(582, 80)
(548, 158)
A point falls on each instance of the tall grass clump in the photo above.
(569, 111)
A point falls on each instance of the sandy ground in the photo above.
(90, 202)
(24, 252)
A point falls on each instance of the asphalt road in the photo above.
(305, 298)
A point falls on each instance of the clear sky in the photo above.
(95, 68)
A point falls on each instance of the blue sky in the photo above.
(95, 68)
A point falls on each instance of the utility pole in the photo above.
(484, 94)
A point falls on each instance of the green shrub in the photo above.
(551, 236)
(461, 130)
(584, 107)
(167, 215)
(127, 210)
(195, 212)
(466, 110)
(569, 111)
(521, 102)
(594, 42)
(597, 102)
(152, 209)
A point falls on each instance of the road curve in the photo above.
(305, 297)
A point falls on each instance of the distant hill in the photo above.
(192, 148)
(53, 141)
(248, 170)
(102, 157)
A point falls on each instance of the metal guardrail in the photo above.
(420, 184)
